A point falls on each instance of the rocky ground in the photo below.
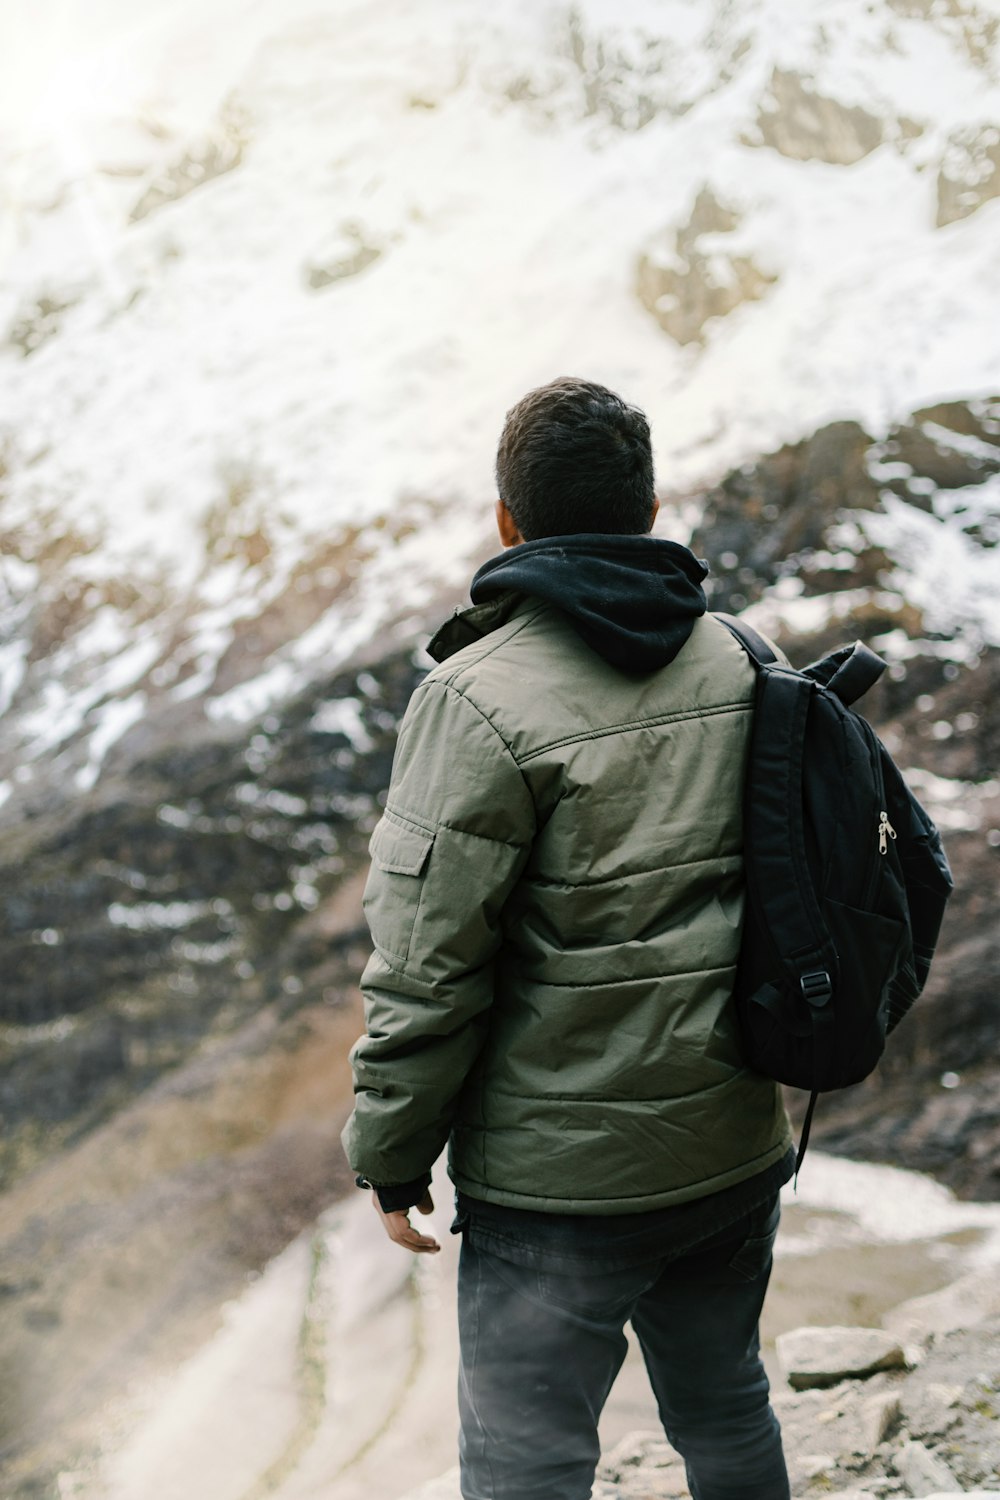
(926, 1426)
(929, 1426)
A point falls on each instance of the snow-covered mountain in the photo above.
(271, 272)
(271, 275)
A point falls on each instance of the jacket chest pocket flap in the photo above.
(399, 853)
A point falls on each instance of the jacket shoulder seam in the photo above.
(728, 857)
(451, 687)
(628, 725)
(448, 670)
(622, 980)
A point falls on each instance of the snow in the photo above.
(201, 353)
(343, 717)
(114, 720)
(174, 817)
(249, 699)
(145, 916)
(273, 799)
(196, 385)
(806, 616)
(892, 1205)
(950, 576)
(954, 805)
(959, 441)
(100, 651)
(12, 662)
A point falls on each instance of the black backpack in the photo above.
(847, 880)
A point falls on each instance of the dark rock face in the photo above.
(171, 903)
(766, 520)
(778, 517)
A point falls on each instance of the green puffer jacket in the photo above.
(555, 901)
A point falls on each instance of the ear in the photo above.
(656, 508)
(507, 526)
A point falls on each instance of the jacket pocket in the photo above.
(399, 853)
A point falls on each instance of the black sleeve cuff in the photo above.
(400, 1195)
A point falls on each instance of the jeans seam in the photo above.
(484, 1448)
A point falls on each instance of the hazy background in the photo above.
(270, 275)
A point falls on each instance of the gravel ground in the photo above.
(932, 1429)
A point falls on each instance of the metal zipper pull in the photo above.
(885, 832)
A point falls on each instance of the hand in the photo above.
(401, 1232)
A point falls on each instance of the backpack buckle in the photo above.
(817, 987)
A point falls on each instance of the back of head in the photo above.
(574, 457)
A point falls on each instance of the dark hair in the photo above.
(575, 457)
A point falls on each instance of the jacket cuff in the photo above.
(400, 1195)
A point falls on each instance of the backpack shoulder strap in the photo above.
(779, 884)
(753, 643)
(849, 672)
(775, 830)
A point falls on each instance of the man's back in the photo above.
(609, 1080)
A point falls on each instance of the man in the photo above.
(555, 902)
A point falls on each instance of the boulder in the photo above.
(824, 1356)
(880, 1415)
(922, 1471)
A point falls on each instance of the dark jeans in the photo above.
(540, 1350)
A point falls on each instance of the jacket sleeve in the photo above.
(454, 838)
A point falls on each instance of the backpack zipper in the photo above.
(885, 829)
(875, 867)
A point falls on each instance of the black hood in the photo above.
(633, 599)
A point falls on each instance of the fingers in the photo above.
(426, 1204)
(401, 1231)
(411, 1239)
